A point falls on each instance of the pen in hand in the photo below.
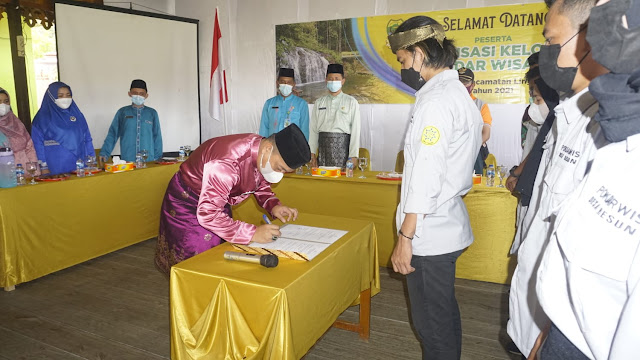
(266, 219)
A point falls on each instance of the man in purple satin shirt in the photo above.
(221, 172)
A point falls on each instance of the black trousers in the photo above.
(434, 309)
(558, 347)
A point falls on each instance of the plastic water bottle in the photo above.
(80, 168)
(349, 169)
(43, 166)
(181, 155)
(20, 178)
(7, 168)
(491, 175)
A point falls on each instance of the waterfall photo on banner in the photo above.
(494, 42)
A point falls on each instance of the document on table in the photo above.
(297, 242)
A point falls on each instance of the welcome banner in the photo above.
(494, 42)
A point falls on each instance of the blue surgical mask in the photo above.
(137, 99)
(334, 86)
(285, 89)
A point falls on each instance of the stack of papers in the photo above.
(297, 242)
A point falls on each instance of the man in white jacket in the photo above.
(589, 278)
(567, 66)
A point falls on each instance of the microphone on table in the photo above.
(264, 260)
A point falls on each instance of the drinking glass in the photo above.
(32, 167)
(187, 150)
(362, 164)
(307, 166)
(502, 172)
(89, 161)
(145, 155)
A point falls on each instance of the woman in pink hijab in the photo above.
(19, 139)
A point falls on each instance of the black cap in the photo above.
(293, 146)
(335, 69)
(465, 74)
(138, 84)
(286, 72)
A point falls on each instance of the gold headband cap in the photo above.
(403, 40)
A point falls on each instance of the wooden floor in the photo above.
(117, 307)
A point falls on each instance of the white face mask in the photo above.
(267, 171)
(538, 113)
(64, 103)
(137, 99)
(285, 89)
(334, 86)
(4, 109)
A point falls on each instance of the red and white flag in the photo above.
(218, 94)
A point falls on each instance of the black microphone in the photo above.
(264, 260)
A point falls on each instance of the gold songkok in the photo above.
(403, 40)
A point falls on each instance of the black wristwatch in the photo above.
(512, 172)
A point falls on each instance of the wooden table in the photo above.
(223, 309)
(54, 225)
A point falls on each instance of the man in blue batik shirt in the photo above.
(136, 126)
(285, 108)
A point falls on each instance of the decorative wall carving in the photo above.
(35, 11)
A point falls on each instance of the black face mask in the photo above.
(558, 78)
(615, 47)
(412, 77)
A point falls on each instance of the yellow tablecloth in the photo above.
(233, 310)
(492, 212)
(53, 225)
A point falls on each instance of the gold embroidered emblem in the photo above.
(430, 135)
(207, 237)
(172, 213)
(185, 195)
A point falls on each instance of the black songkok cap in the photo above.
(335, 69)
(465, 74)
(286, 72)
(138, 84)
(293, 146)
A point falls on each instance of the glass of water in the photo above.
(362, 164)
(145, 155)
(502, 172)
(187, 150)
(89, 160)
(32, 167)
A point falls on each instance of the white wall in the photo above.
(250, 58)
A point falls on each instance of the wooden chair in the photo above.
(364, 153)
(400, 162)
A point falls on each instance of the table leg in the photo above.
(363, 326)
(9, 288)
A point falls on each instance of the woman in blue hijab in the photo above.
(60, 132)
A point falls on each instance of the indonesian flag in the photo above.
(218, 94)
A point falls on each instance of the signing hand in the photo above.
(401, 256)
(265, 233)
(285, 213)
